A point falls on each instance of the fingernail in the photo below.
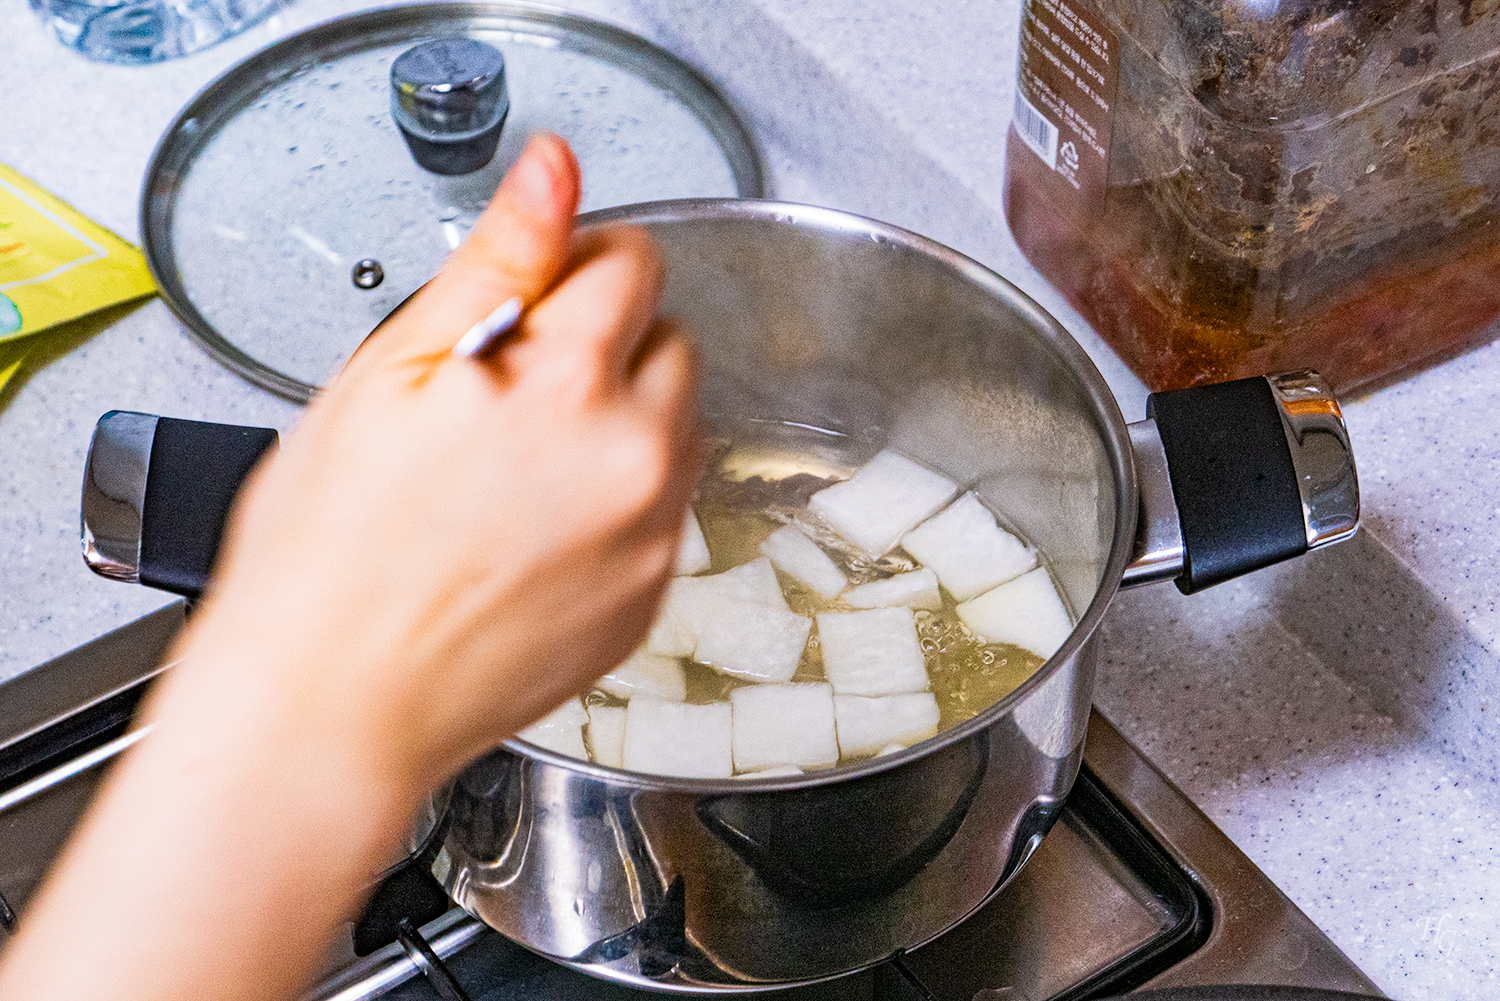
(533, 179)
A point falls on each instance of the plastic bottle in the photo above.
(147, 31)
(1229, 187)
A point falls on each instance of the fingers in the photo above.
(519, 247)
(666, 375)
(665, 385)
(603, 308)
(591, 301)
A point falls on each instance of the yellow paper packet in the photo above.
(12, 354)
(56, 264)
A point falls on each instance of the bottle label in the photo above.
(1067, 74)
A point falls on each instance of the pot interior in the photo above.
(819, 318)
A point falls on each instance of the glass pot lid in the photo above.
(285, 213)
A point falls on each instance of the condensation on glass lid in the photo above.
(313, 177)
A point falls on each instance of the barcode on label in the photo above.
(1036, 131)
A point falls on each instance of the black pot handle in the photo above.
(1238, 475)
(1233, 477)
(156, 493)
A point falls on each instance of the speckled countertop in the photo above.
(1332, 715)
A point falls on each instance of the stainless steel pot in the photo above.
(818, 317)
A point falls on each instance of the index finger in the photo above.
(604, 305)
(518, 248)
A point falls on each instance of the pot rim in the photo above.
(1053, 335)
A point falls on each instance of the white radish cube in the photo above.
(752, 583)
(783, 725)
(874, 652)
(672, 634)
(692, 552)
(915, 589)
(888, 497)
(607, 735)
(691, 601)
(754, 642)
(677, 738)
(780, 771)
(561, 730)
(799, 557)
(870, 726)
(1025, 612)
(968, 551)
(646, 673)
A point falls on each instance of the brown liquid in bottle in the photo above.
(1181, 310)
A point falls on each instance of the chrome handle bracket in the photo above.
(114, 493)
(1159, 549)
(1321, 455)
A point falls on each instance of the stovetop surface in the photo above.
(1134, 886)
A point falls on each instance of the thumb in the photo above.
(518, 247)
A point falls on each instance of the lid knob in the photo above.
(448, 98)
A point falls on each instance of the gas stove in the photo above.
(1133, 887)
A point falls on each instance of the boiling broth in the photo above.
(760, 481)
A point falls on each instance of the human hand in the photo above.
(442, 551)
(446, 548)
